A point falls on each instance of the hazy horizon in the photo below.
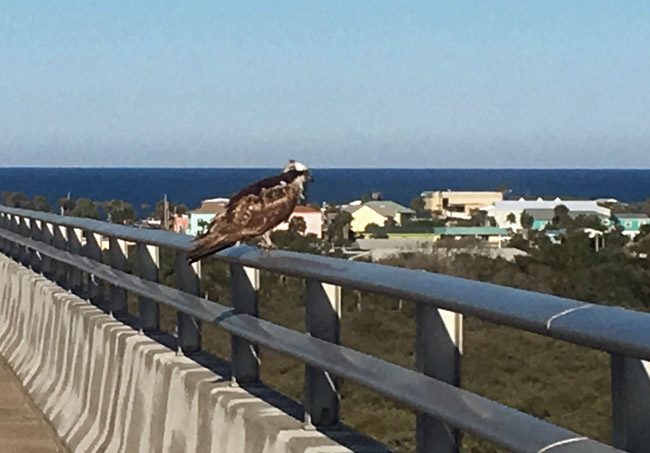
(244, 167)
(365, 84)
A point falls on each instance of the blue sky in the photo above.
(333, 83)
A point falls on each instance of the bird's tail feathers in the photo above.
(203, 247)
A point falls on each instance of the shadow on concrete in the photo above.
(340, 432)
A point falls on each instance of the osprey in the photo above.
(253, 212)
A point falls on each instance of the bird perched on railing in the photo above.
(253, 212)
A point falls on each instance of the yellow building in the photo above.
(377, 212)
(462, 203)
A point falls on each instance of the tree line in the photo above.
(115, 211)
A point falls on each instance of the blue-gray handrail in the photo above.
(462, 409)
(611, 329)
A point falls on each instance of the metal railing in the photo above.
(67, 248)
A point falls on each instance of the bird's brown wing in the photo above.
(246, 217)
(253, 214)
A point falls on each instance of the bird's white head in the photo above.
(296, 166)
(301, 176)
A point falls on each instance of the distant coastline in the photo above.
(139, 185)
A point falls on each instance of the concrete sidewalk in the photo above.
(23, 428)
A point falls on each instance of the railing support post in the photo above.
(16, 249)
(630, 403)
(25, 230)
(75, 282)
(47, 237)
(60, 242)
(322, 321)
(148, 262)
(94, 252)
(245, 285)
(11, 226)
(188, 328)
(117, 304)
(3, 225)
(36, 233)
(19, 251)
(438, 349)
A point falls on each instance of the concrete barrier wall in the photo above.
(105, 387)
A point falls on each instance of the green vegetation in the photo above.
(526, 220)
(559, 382)
(553, 380)
(619, 208)
(417, 204)
(338, 230)
(115, 211)
(119, 211)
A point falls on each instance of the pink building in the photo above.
(180, 223)
(313, 219)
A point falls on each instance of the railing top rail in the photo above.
(613, 329)
(507, 427)
(154, 237)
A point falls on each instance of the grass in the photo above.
(556, 381)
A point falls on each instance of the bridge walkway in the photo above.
(23, 428)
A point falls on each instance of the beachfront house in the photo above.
(507, 213)
(543, 217)
(631, 223)
(200, 217)
(377, 212)
(313, 218)
(458, 204)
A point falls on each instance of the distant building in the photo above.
(203, 214)
(543, 217)
(379, 249)
(180, 223)
(501, 210)
(377, 212)
(631, 223)
(458, 203)
(313, 220)
(493, 235)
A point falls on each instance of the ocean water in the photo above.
(190, 185)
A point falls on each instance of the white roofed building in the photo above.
(501, 210)
(201, 216)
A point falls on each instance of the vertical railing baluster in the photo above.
(117, 304)
(94, 252)
(35, 234)
(8, 224)
(188, 328)
(61, 243)
(75, 282)
(3, 225)
(16, 250)
(630, 403)
(25, 231)
(438, 352)
(148, 263)
(244, 287)
(6, 245)
(322, 320)
(47, 237)
(22, 230)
